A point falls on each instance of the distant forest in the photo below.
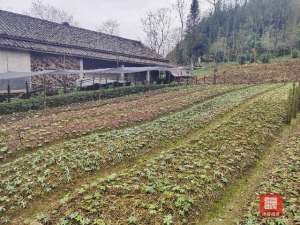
(247, 29)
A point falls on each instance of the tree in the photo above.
(293, 40)
(194, 17)
(279, 15)
(45, 11)
(240, 27)
(176, 43)
(192, 35)
(111, 27)
(157, 29)
(180, 8)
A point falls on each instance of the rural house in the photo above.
(29, 44)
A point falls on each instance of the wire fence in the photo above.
(49, 83)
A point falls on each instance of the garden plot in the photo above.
(90, 104)
(283, 178)
(38, 130)
(179, 184)
(10, 118)
(280, 71)
(52, 167)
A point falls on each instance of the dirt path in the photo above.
(227, 210)
(27, 216)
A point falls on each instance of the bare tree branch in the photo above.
(180, 6)
(111, 27)
(48, 12)
(157, 28)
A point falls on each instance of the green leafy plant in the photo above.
(183, 203)
(63, 221)
(132, 220)
(168, 220)
(43, 218)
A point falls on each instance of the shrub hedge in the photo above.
(37, 103)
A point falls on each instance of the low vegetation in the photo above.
(37, 130)
(50, 168)
(37, 103)
(180, 183)
(166, 154)
(283, 70)
(282, 178)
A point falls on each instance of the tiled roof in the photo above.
(20, 31)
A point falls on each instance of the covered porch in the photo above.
(25, 81)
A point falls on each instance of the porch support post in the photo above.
(164, 74)
(148, 77)
(81, 69)
(122, 77)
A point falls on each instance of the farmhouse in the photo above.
(29, 44)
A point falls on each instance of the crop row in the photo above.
(283, 71)
(178, 185)
(8, 120)
(51, 167)
(283, 178)
(37, 103)
(32, 132)
(89, 104)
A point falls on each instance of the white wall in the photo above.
(16, 61)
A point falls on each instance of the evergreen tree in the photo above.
(242, 27)
(192, 35)
(194, 17)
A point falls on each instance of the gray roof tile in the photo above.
(48, 36)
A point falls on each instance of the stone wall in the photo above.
(40, 61)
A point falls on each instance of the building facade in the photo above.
(31, 44)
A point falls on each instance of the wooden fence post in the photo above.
(45, 90)
(27, 89)
(65, 86)
(8, 91)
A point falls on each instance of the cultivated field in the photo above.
(36, 130)
(282, 176)
(284, 70)
(163, 157)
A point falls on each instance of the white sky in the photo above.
(91, 13)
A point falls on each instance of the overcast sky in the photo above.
(91, 13)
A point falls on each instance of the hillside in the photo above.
(232, 29)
